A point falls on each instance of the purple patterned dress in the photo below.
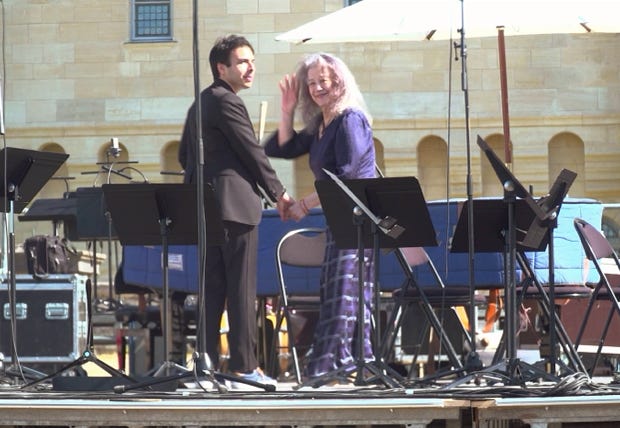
(346, 149)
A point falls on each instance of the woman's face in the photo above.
(321, 86)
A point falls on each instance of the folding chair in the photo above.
(597, 247)
(439, 297)
(532, 288)
(299, 257)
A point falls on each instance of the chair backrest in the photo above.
(415, 256)
(594, 242)
(300, 248)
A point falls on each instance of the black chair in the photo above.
(299, 256)
(597, 247)
(443, 301)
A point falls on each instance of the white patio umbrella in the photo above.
(410, 20)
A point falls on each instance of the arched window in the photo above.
(171, 170)
(566, 150)
(60, 182)
(432, 157)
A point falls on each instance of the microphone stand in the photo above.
(472, 362)
(201, 357)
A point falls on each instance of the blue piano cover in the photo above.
(142, 264)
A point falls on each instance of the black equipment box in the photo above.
(50, 318)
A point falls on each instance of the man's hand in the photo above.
(297, 211)
(283, 204)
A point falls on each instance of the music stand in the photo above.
(501, 236)
(24, 172)
(490, 216)
(165, 214)
(155, 214)
(540, 234)
(395, 200)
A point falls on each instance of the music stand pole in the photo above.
(164, 222)
(358, 221)
(511, 284)
(12, 196)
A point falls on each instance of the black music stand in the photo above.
(538, 236)
(395, 200)
(166, 214)
(155, 214)
(24, 172)
(499, 234)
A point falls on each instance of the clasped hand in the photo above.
(290, 209)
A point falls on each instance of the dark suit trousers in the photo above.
(230, 282)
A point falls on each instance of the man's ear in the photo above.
(221, 68)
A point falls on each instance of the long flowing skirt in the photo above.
(335, 337)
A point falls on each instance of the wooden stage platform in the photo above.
(571, 402)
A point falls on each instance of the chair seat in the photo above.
(603, 292)
(453, 296)
(303, 302)
(563, 291)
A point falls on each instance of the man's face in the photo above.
(240, 74)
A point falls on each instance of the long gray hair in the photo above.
(347, 91)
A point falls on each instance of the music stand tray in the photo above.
(28, 171)
(62, 210)
(398, 198)
(490, 221)
(136, 211)
(91, 211)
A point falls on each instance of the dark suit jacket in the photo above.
(234, 162)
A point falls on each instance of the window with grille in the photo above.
(151, 20)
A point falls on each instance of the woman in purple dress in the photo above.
(338, 137)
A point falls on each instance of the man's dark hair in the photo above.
(220, 52)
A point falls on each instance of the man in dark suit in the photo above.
(235, 165)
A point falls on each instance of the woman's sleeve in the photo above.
(354, 145)
(298, 145)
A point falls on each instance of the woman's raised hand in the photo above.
(289, 90)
